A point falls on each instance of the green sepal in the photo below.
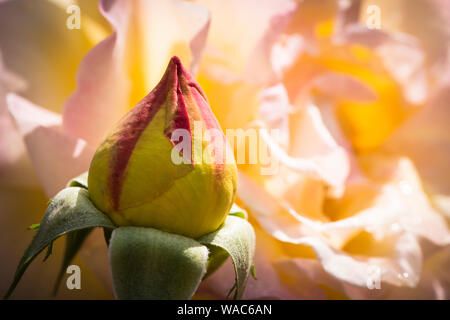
(217, 255)
(49, 251)
(70, 210)
(253, 272)
(81, 181)
(238, 212)
(236, 237)
(147, 263)
(34, 226)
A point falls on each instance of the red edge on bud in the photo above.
(137, 120)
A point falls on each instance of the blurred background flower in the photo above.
(359, 206)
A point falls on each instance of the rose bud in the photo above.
(165, 165)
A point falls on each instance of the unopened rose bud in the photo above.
(134, 179)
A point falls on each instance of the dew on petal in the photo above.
(403, 276)
(405, 188)
(396, 228)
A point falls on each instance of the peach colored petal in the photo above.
(339, 86)
(348, 13)
(332, 85)
(433, 31)
(298, 268)
(285, 51)
(15, 168)
(298, 191)
(269, 284)
(310, 15)
(55, 156)
(123, 68)
(100, 98)
(401, 55)
(277, 214)
(434, 283)
(312, 150)
(304, 154)
(327, 110)
(241, 50)
(425, 139)
(365, 122)
(260, 68)
(274, 112)
(401, 268)
(9, 81)
(397, 221)
(238, 59)
(401, 205)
